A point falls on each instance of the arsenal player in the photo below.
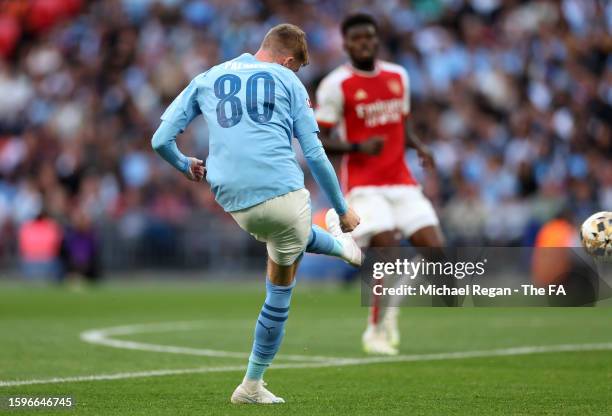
(367, 103)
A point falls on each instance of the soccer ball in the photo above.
(596, 234)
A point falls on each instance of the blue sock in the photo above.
(322, 242)
(269, 329)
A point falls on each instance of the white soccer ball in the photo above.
(596, 234)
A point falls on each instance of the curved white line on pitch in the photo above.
(103, 336)
(503, 352)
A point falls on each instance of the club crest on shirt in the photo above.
(395, 87)
(360, 94)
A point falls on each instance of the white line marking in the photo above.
(503, 352)
(102, 336)
(119, 376)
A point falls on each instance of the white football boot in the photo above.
(390, 327)
(375, 341)
(254, 393)
(351, 253)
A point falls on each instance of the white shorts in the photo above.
(387, 208)
(283, 223)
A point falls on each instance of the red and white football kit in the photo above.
(381, 188)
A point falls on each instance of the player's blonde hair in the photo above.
(288, 40)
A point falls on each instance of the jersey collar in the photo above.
(367, 74)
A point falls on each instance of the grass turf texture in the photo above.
(40, 339)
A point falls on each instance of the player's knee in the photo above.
(439, 239)
(430, 236)
(385, 239)
(281, 270)
(436, 239)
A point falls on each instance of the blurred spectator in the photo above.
(81, 250)
(40, 242)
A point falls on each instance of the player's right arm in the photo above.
(330, 108)
(175, 120)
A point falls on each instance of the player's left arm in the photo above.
(413, 141)
(175, 120)
(411, 138)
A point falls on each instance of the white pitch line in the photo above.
(120, 376)
(503, 352)
(102, 336)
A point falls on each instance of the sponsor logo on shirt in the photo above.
(380, 112)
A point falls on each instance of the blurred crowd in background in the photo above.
(514, 97)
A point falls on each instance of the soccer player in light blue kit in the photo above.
(254, 106)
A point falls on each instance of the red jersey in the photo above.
(366, 104)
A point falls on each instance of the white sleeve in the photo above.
(406, 85)
(330, 102)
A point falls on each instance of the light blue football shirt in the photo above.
(253, 109)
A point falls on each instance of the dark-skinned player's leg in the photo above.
(426, 241)
(374, 338)
(432, 240)
(384, 239)
(430, 236)
(375, 230)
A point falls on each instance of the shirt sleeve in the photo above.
(330, 102)
(164, 143)
(185, 107)
(304, 121)
(323, 171)
(406, 98)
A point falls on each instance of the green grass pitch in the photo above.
(40, 340)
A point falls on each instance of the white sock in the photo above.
(391, 312)
(396, 301)
(250, 384)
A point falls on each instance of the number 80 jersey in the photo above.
(253, 110)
